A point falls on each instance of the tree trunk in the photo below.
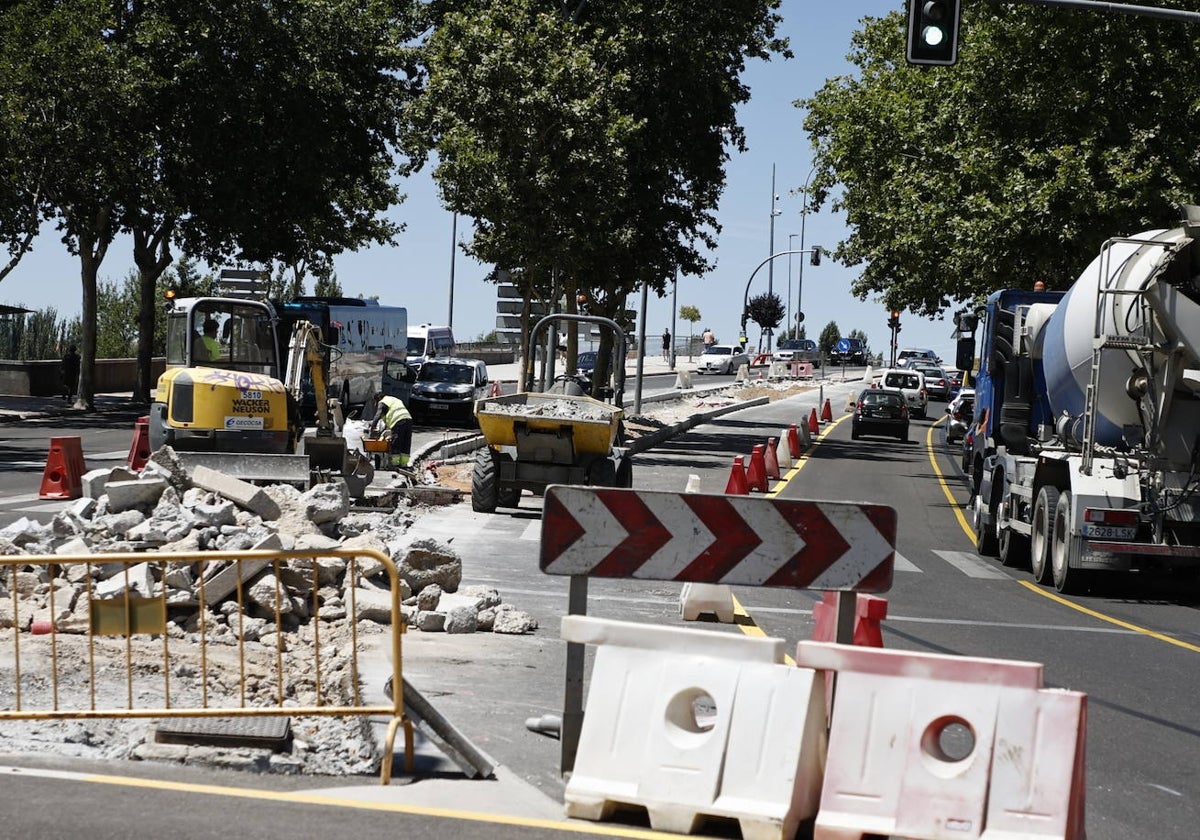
(91, 246)
(152, 255)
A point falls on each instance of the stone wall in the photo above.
(42, 378)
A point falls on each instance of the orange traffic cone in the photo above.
(756, 473)
(793, 441)
(827, 412)
(771, 459)
(737, 478)
(63, 476)
(139, 449)
(813, 426)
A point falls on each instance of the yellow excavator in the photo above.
(226, 402)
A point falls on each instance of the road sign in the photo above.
(700, 538)
(843, 345)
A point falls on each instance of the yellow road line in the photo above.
(1032, 587)
(1054, 596)
(310, 798)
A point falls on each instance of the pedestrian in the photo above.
(70, 373)
(393, 420)
(708, 338)
(666, 345)
(1039, 286)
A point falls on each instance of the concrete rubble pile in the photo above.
(554, 409)
(164, 509)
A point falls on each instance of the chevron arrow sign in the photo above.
(699, 538)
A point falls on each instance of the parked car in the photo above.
(445, 391)
(797, 350)
(912, 384)
(880, 411)
(962, 411)
(937, 383)
(722, 358)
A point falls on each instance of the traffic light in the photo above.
(933, 31)
(894, 322)
(815, 259)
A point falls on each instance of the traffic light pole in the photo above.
(815, 251)
(1118, 8)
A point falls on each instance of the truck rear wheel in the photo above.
(602, 473)
(1013, 547)
(508, 497)
(1066, 580)
(1039, 544)
(485, 494)
(985, 532)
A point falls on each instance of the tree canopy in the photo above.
(588, 141)
(1056, 130)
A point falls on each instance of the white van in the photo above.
(426, 341)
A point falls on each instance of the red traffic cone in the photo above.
(756, 473)
(737, 478)
(771, 459)
(793, 441)
(827, 412)
(139, 449)
(63, 476)
(495, 390)
(813, 426)
(869, 611)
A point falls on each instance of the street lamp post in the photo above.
(775, 211)
(788, 316)
(803, 219)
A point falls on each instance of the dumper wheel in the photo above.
(508, 496)
(602, 473)
(484, 487)
(625, 473)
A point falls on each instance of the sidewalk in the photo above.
(16, 407)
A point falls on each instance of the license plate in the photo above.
(439, 406)
(1108, 532)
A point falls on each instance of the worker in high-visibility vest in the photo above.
(393, 419)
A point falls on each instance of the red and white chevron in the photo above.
(699, 538)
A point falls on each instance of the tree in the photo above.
(589, 145)
(327, 284)
(766, 310)
(188, 123)
(691, 314)
(829, 338)
(1016, 164)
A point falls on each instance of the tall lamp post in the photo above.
(788, 316)
(775, 211)
(803, 219)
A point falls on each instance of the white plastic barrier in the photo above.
(683, 380)
(696, 599)
(691, 724)
(928, 747)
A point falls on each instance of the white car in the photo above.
(912, 384)
(961, 410)
(722, 358)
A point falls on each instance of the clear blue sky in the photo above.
(416, 272)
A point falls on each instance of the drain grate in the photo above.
(273, 733)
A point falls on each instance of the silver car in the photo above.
(722, 358)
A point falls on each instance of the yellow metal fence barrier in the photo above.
(45, 630)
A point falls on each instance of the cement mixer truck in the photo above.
(1086, 453)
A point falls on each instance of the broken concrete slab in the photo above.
(242, 493)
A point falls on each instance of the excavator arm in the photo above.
(304, 351)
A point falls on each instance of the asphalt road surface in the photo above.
(1130, 645)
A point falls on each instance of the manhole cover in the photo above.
(273, 733)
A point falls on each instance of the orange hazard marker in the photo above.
(63, 476)
(737, 479)
(814, 426)
(496, 390)
(756, 473)
(827, 412)
(771, 459)
(869, 611)
(793, 441)
(139, 449)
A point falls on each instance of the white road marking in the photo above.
(903, 564)
(971, 565)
